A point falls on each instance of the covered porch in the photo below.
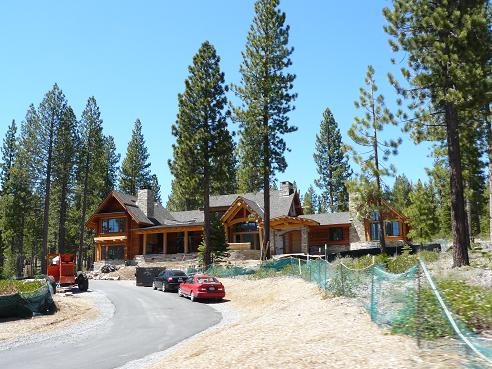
(169, 240)
(290, 235)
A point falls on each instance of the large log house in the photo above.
(127, 226)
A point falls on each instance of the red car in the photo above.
(202, 287)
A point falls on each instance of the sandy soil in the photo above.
(71, 310)
(287, 323)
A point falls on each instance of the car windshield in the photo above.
(206, 280)
(179, 273)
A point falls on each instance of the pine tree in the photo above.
(135, 172)
(65, 147)
(219, 248)
(266, 99)
(399, 196)
(156, 187)
(365, 132)
(51, 112)
(310, 201)
(447, 71)
(9, 153)
(90, 171)
(421, 214)
(332, 165)
(204, 146)
(111, 168)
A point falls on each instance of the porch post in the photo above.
(164, 243)
(305, 240)
(186, 242)
(145, 243)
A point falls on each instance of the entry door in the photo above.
(295, 242)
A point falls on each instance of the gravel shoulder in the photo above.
(77, 314)
(287, 323)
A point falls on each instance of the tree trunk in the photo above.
(488, 127)
(382, 239)
(84, 211)
(206, 213)
(266, 190)
(62, 217)
(44, 244)
(461, 241)
(469, 217)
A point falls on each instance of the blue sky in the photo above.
(133, 57)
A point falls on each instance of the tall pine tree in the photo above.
(266, 99)
(135, 171)
(421, 214)
(310, 201)
(90, 171)
(400, 192)
(204, 147)
(332, 165)
(366, 133)
(447, 71)
(111, 166)
(51, 112)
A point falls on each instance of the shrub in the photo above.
(8, 287)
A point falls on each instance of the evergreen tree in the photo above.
(203, 149)
(439, 181)
(65, 147)
(9, 153)
(112, 159)
(421, 214)
(447, 71)
(51, 112)
(90, 171)
(219, 248)
(399, 196)
(310, 201)
(365, 132)
(266, 100)
(135, 171)
(156, 187)
(332, 165)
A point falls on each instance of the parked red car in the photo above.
(202, 287)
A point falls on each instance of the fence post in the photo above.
(300, 270)
(373, 318)
(418, 312)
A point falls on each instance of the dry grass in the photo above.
(70, 310)
(286, 323)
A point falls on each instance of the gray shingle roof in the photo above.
(279, 205)
(329, 218)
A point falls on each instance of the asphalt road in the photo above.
(145, 321)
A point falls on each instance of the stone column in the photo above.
(305, 240)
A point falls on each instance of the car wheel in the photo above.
(192, 297)
(153, 286)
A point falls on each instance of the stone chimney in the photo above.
(145, 201)
(286, 188)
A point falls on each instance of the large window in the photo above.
(113, 225)
(113, 252)
(374, 229)
(245, 227)
(392, 228)
(336, 234)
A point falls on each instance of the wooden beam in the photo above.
(168, 230)
(186, 251)
(164, 243)
(144, 244)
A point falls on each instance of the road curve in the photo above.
(145, 321)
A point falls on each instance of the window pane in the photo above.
(392, 228)
(336, 234)
(375, 231)
(113, 225)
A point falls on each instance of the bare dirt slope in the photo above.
(286, 323)
(71, 310)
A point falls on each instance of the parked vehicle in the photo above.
(61, 270)
(169, 280)
(144, 276)
(202, 287)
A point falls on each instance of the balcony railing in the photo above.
(238, 246)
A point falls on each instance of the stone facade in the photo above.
(145, 201)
